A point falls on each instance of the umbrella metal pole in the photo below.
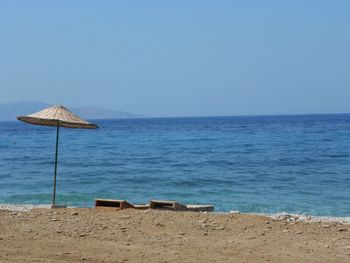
(56, 158)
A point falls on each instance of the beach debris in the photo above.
(75, 213)
(154, 204)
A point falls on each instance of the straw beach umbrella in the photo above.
(57, 116)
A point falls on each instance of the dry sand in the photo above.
(89, 235)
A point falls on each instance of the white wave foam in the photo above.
(307, 218)
(20, 207)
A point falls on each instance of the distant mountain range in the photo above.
(9, 111)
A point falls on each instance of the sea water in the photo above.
(254, 164)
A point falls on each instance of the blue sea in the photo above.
(257, 164)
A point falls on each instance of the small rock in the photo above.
(285, 231)
(181, 234)
(54, 219)
(299, 232)
(220, 228)
(58, 231)
(75, 213)
(252, 237)
(82, 235)
(342, 229)
(327, 246)
(325, 226)
(283, 217)
(146, 212)
(125, 217)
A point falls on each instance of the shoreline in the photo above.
(290, 217)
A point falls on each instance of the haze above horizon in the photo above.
(178, 58)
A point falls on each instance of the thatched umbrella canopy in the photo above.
(57, 116)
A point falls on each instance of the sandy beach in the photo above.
(90, 235)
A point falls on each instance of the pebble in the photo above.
(181, 234)
(220, 228)
(342, 229)
(299, 232)
(75, 213)
(285, 231)
(252, 237)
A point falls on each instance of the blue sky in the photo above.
(178, 58)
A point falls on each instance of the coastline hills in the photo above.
(9, 111)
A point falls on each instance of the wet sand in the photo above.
(89, 235)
